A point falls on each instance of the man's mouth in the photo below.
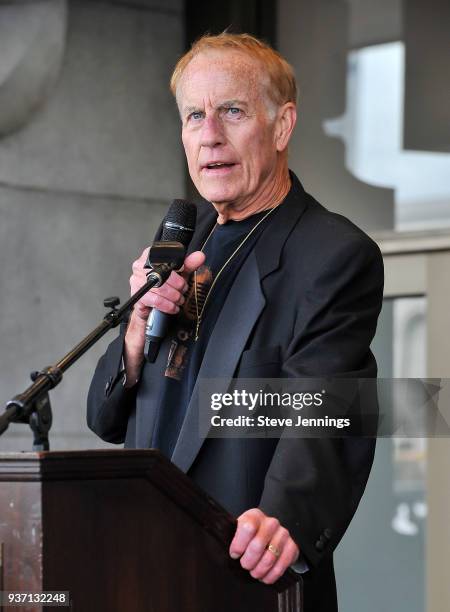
(218, 167)
(214, 165)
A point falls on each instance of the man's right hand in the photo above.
(168, 298)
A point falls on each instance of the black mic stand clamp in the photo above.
(35, 409)
(37, 412)
(165, 255)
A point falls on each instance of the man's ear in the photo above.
(286, 119)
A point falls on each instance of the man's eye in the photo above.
(234, 111)
(196, 115)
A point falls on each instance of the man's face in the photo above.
(228, 135)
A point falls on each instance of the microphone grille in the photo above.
(179, 223)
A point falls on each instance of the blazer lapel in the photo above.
(268, 250)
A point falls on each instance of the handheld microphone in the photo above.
(178, 226)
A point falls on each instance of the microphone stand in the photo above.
(33, 405)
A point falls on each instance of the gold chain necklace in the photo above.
(200, 313)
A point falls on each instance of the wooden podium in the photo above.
(123, 531)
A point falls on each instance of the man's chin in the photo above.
(217, 190)
(219, 198)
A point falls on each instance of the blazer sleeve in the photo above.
(314, 485)
(109, 403)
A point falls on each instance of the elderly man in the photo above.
(274, 286)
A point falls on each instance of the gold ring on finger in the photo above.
(274, 550)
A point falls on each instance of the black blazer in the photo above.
(304, 304)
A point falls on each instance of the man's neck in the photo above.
(273, 197)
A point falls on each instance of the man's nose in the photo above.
(212, 132)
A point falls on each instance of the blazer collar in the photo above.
(268, 251)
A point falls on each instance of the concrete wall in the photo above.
(315, 37)
(87, 169)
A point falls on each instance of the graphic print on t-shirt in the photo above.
(186, 323)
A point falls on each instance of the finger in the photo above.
(172, 289)
(141, 260)
(193, 262)
(137, 279)
(141, 311)
(269, 558)
(177, 281)
(257, 546)
(168, 292)
(247, 527)
(158, 301)
(288, 556)
(144, 255)
(139, 275)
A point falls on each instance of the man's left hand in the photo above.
(264, 546)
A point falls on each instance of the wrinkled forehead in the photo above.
(215, 76)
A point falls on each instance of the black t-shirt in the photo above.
(186, 353)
